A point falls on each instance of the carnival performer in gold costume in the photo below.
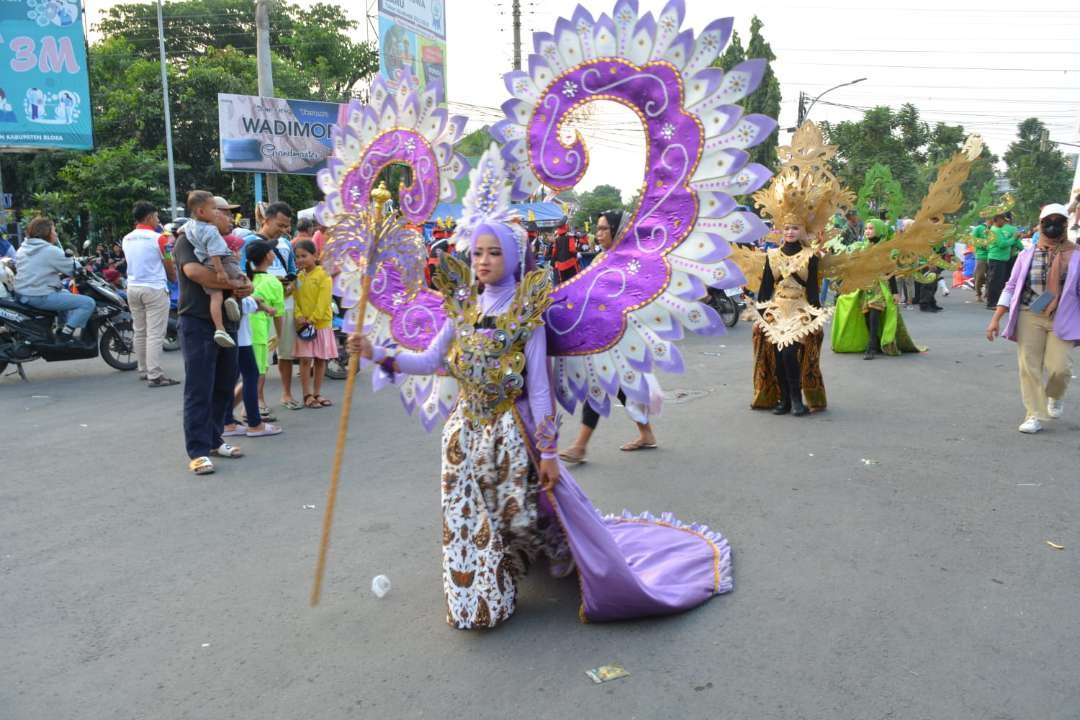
(788, 317)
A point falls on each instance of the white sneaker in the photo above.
(1030, 426)
(1055, 407)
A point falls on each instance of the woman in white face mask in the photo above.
(1044, 317)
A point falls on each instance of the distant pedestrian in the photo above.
(853, 228)
(150, 268)
(1004, 244)
(265, 326)
(314, 315)
(275, 221)
(1041, 297)
(209, 369)
(210, 247)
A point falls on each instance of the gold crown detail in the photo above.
(805, 192)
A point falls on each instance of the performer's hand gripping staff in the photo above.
(360, 244)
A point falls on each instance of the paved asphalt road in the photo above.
(916, 583)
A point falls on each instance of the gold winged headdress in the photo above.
(805, 192)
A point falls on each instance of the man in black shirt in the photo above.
(209, 370)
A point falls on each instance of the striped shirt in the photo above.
(1038, 274)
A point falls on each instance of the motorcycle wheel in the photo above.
(338, 369)
(117, 346)
(728, 309)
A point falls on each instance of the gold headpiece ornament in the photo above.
(805, 191)
(1006, 204)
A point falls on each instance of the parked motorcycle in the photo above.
(729, 303)
(28, 334)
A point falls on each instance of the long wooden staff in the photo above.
(379, 197)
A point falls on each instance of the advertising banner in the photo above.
(426, 17)
(275, 135)
(44, 85)
(412, 36)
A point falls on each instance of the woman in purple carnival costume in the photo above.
(496, 347)
(506, 499)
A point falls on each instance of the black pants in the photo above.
(209, 377)
(873, 325)
(590, 418)
(248, 374)
(997, 275)
(789, 373)
(924, 294)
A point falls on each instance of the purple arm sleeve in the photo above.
(428, 361)
(538, 384)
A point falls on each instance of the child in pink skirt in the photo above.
(315, 341)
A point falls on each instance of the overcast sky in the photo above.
(985, 64)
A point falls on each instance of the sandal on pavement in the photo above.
(323, 401)
(265, 414)
(267, 430)
(638, 444)
(201, 466)
(572, 456)
(291, 404)
(162, 382)
(227, 450)
(311, 402)
(237, 431)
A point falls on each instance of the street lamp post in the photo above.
(168, 115)
(804, 111)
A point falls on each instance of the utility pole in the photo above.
(516, 15)
(266, 75)
(802, 109)
(168, 114)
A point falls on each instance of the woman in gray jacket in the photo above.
(39, 264)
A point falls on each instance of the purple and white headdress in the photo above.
(488, 203)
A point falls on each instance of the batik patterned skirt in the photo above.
(493, 528)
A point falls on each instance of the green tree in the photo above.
(766, 99)
(1037, 171)
(877, 139)
(318, 39)
(107, 183)
(211, 49)
(881, 192)
(593, 202)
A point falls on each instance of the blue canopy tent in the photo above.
(548, 216)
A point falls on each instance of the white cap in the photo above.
(1053, 209)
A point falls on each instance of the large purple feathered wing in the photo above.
(616, 321)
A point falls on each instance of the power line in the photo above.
(939, 67)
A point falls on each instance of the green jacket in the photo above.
(1004, 243)
(981, 248)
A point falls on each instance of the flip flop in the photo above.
(637, 445)
(323, 401)
(268, 430)
(311, 402)
(227, 450)
(291, 405)
(235, 432)
(201, 466)
(571, 458)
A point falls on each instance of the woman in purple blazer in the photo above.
(1042, 298)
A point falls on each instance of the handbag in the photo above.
(306, 332)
